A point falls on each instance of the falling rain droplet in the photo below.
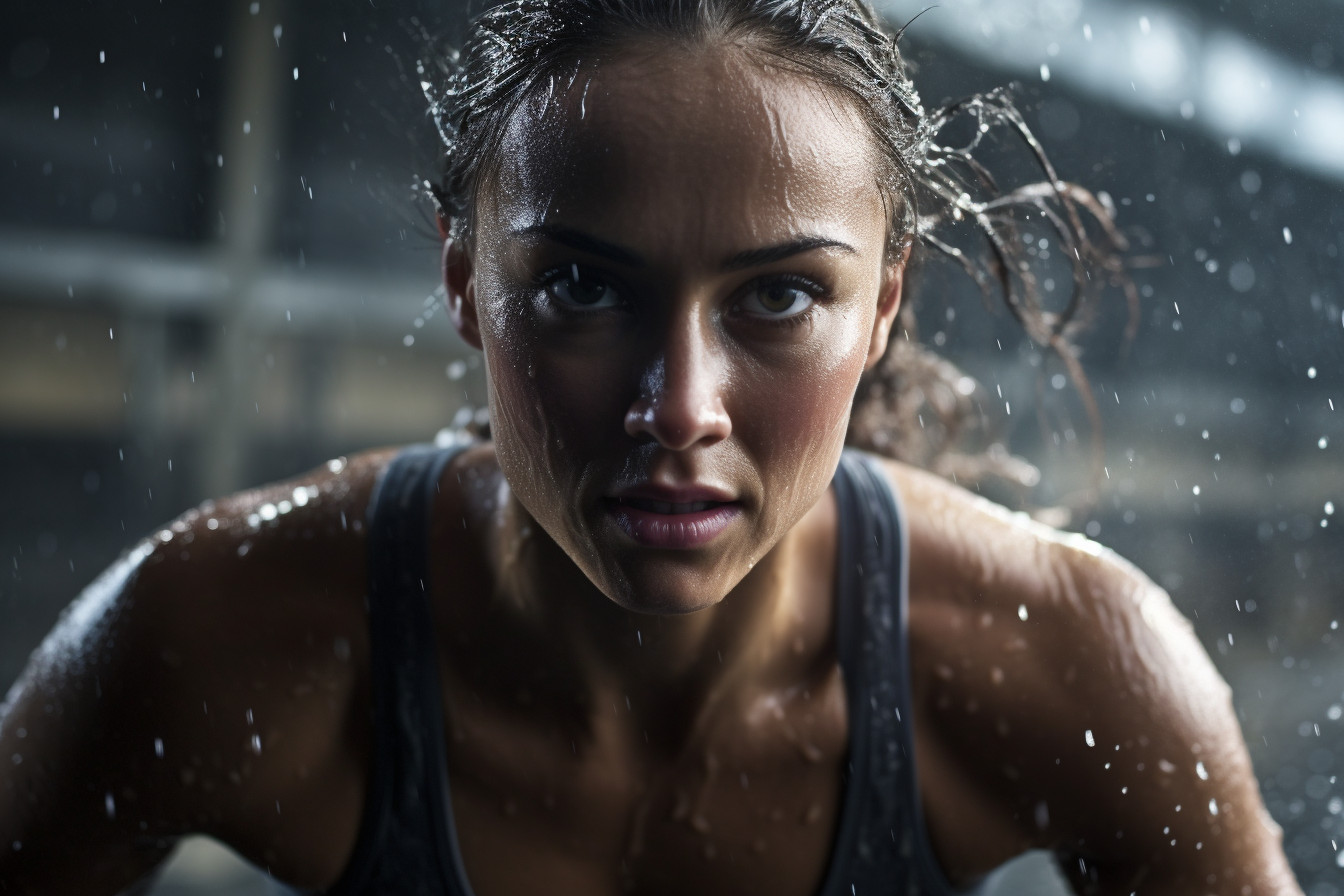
(1022, 612)
(1087, 736)
(1287, 236)
(158, 747)
(110, 805)
(256, 744)
(1201, 771)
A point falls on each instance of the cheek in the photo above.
(799, 414)
(552, 411)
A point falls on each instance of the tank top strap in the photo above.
(881, 840)
(405, 843)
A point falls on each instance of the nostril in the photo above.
(678, 425)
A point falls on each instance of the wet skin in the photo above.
(637, 700)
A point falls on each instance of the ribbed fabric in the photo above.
(407, 845)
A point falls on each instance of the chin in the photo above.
(664, 593)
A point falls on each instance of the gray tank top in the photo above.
(407, 844)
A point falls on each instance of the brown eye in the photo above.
(778, 299)
(574, 288)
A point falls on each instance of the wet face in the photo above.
(678, 276)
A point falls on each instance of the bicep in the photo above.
(1166, 759)
(76, 811)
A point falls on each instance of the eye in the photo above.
(575, 288)
(779, 299)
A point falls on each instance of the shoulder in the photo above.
(216, 660)
(1066, 699)
(976, 566)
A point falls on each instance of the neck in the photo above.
(665, 673)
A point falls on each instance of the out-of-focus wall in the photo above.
(214, 271)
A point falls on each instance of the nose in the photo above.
(680, 401)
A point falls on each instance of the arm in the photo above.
(1096, 727)
(208, 682)
(75, 742)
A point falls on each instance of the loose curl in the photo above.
(914, 405)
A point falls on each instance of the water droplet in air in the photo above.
(1087, 736)
(158, 747)
(1201, 771)
(1022, 612)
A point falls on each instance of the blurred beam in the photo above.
(1155, 60)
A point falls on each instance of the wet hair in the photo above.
(914, 405)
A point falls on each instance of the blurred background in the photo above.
(216, 270)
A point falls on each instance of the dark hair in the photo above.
(914, 405)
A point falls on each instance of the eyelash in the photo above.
(817, 291)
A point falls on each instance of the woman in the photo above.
(656, 632)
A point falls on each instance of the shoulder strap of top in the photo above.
(881, 840)
(405, 829)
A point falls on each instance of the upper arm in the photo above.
(1170, 766)
(1066, 704)
(204, 682)
(75, 734)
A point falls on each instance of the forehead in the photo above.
(713, 138)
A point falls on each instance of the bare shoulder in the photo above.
(1064, 701)
(211, 672)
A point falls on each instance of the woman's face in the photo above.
(677, 277)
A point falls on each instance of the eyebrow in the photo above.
(748, 258)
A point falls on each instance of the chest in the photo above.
(749, 803)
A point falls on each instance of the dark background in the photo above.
(215, 271)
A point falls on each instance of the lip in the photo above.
(677, 518)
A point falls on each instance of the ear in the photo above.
(888, 303)
(459, 281)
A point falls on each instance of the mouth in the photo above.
(668, 507)
(674, 525)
